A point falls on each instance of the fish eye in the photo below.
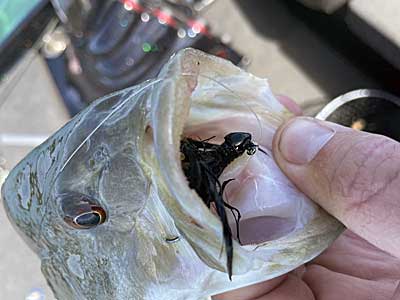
(90, 219)
(81, 211)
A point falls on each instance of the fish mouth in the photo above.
(269, 204)
(207, 97)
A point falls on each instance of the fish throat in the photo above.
(202, 163)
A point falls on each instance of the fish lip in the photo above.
(169, 130)
(172, 108)
(171, 117)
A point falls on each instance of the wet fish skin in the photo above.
(130, 166)
(128, 256)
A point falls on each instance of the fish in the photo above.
(106, 206)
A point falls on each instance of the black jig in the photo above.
(203, 163)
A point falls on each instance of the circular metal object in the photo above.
(55, 43)
(369, 110)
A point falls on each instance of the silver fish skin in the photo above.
(159, 240)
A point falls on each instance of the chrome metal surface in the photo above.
(355, 95)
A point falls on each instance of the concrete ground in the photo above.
(280, 48)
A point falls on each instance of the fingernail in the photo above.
(302, 139)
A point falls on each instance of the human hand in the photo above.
(355, 176)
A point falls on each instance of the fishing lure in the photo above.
(203, 163)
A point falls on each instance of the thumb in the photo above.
(353, 175)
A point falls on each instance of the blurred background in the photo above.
(58, 56)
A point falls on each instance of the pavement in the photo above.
(281, 48)
(383, 18)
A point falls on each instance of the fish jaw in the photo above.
(203, 96)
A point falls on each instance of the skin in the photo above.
(354, 177)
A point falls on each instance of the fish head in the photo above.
(105, 204)
(76, 199)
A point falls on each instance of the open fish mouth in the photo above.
(213, 98)
(268, 204)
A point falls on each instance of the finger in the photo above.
(354, 175)
(251, 292)
(290, 104)
(326, 284)
(396, 295)
(293, 288)
(354, 256)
